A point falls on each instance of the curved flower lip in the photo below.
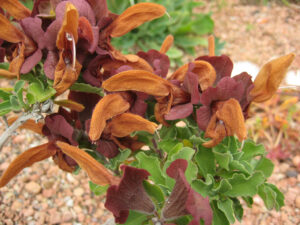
(26, 159)
(133, 17)
(108, 107)
(269, 78)
(96, 171)
(228, 120)
(205, 71)
(9, 32)
(75, 106)
(138, 80)
(126, 123)
(15, 9)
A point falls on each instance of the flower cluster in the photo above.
(71, 38)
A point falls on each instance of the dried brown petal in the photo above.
(231, 114)
(86, 30)
(15, 9)
(17, 62)
(69, 26)
(166, 45)
(75, 106)
(29, 125)
(269, 78)
(138, 80)
(7, 74)
(59, 160)
(9, 32)
(126, 123)
(216, 131)
(96, 171)
(26, 159)
(135, 16)
(65, 75)
(205, 71)
(108, 107)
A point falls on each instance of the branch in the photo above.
(10, 130)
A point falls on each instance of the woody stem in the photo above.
(11, 129)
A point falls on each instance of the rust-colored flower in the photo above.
(68, 68)
(269, 78)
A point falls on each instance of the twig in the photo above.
(10, 130)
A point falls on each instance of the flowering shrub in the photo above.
(165, 147)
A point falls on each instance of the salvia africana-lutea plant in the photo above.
(166, 148)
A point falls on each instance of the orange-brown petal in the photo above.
(269, 78)
(15, 9)
(7, 74)
(9, 32)
(135, 16)
(59, 160)
(166, 45)
(108, 107)
(96, 171)
(17, 62)
(126, 123)
(231, 114)
(28, 125)
(26, 159)
(65, 75)
(75, 106)
(216, 131)
(138, 80)
(205, 71)
(69, 25)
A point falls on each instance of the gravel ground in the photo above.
(43, 194)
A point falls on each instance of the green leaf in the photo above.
(206, 161)
(39, 93)
(152, 165)
(238, 209)
(155, 192)
(30, 98)
(135, 218)
(5, 95)
(226, 206)
(236, 165)
(121, 157)
(166, 145)
(19, 85)
(248, 200)
(265, 166)
(223, 159)
(271, 196)
(82, 87)
(5, 105)
(4, 65)
(97, 189)
(219, 217)
(251, 150)
(204, 188)
(245, 186)
(175, 149)
(168, 132)
(15, 105)
(203, 25)
(174, 53)
(186, 41)
(222, 187)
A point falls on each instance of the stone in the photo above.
(291, 173)
(67, 217)
(17, 205)
(78, 192)
(297, 202)
(28, 212)
(55, 217)
(33, 187)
